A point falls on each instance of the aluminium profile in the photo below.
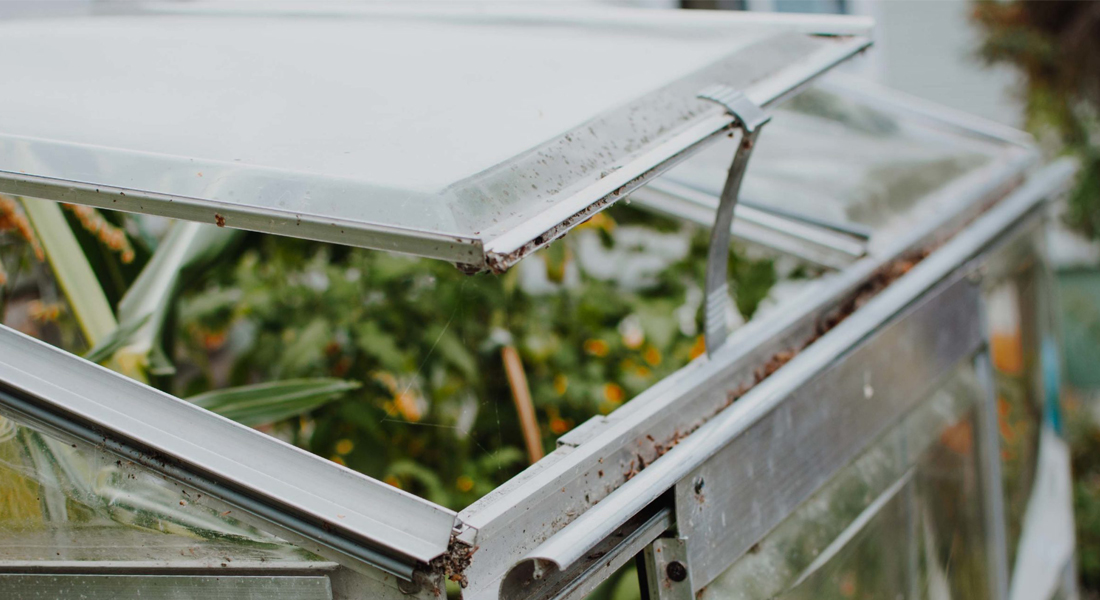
(527, 510)
(354, 515)
(568, 545)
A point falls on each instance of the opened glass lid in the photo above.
(473, 135)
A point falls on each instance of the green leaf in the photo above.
(307, 348)
(270, 402)
(71, 268)
(187, 247)
(376, 343)
(451, 348)
(110, 344)
(433, 488)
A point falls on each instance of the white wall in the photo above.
(928, 48)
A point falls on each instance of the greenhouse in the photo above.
(386, 301)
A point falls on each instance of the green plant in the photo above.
(66, 479)
(1056, 48)
(435, 414)
(388, 364)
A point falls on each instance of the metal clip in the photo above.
(749, 118)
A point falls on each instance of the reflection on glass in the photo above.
(68, 501)
(902, 521)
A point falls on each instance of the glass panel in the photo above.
(577, 96)
(903, 520)
(950, 535)
(68, 501)
(1017, 306)
(164, 587)
(841, 160)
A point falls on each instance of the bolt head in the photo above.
(676, 571)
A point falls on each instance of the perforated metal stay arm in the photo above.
(749, 118)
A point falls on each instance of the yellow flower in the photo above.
(391, 480)
(559, 426)
(596, 347)
(561, 383)
(338, 460)
(652, 356)
(464, 484)
(344, 446)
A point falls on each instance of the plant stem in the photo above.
(521, 395)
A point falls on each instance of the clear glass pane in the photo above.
(68, 501)
(902, 521)
(1017, 307)
(839, 159)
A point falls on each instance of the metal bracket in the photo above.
(668, 576)
(749, 118)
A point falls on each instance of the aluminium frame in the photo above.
(507, 528)
(497, 246)
(46, 404)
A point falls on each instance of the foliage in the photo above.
(388, 364)
(1056, 47)
(435, 414)
(1084, 438)
(270, 402)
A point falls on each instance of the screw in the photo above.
(699, 486)
(676, 571)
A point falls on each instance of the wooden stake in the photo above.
(521, 395)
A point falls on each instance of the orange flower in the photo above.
(391, 480)
(406, 405)
(559, 426)
(613, 393)
(42, 312)
(213, 340)
(109, 235)
(12, 219)
(653, 355)
(596, 347)
(338, 460)
(464, 484)
(699, 348)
